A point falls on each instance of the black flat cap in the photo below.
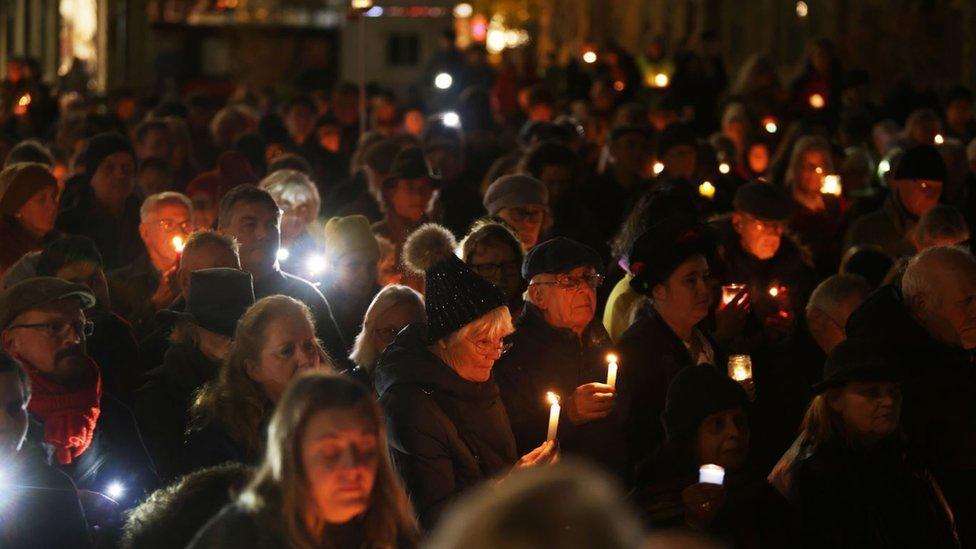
(559, 255)
(763, 201)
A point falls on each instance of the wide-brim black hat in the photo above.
(218, 299)
(663, 247)
(411, 164)
(860, 359)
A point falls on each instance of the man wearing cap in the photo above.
(93, 437)
(352, 254)
(931, 323)
(201, 340)
(558, 346)
(916, 187)
(755, 250)
(522, 201)
(101, 205)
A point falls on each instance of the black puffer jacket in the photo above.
(446, 434)
(544, 358)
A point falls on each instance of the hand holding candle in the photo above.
(711, 474)
(554, 409)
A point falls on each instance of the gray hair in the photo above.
(941, 222)
(920, 275)
(364, 351)
(154, 201)
(836, 292)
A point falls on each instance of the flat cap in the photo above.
(559, 255)
(38, 291)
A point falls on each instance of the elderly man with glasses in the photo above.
(150, 283)
(558, 346)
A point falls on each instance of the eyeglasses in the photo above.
(169, 225)
(491, 270)
(567, 282)
(768, 227)
(487, 346)
(525, 215)
(60, 328)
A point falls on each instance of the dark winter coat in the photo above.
(114, 348)
(857, 497)
(132, 288)
(651, 354)
(820, 233)
(162, 405)
(349, 311)
(544, 358)
(889, 228)
(280, 282)
(446, 434)
(938, 396)
(212, 444)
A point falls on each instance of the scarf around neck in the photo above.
(69, 415)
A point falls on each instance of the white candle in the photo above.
(553, 399)
(831, 185)
(711, 474)
(178, 244)
(612, 370)
(740, 367)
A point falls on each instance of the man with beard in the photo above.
(253, 218)
(93, 437)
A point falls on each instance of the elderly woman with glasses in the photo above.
(447, 424)
(560, 346)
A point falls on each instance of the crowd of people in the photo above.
(545, 310)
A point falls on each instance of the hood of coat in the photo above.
(408, 361)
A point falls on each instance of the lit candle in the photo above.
(769, 124)
(711, 474)
(773, 291)
(817, 101)
(22, 104)
(658, 168)
(661, 80)
(707, 190)
(740, 367)
(724, 168)
(178, 244)
(729, 291)
(939, 139)
(553, 399)
(612, 370)
(831, 185)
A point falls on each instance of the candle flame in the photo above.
(178, 244)
(774, 291)
(706, 189)
(724, 168)
(552, 398)
(939, 139)
(817, 101)
(611, 358)
(22, 104)
(661, 80)
(831, 185)
(658, 168)
(769, 123)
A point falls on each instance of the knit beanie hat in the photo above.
(102, 146)
(20, 182)
(515, 190)
(456, 295)
(344, 235)
(696, 393)
(921, 162)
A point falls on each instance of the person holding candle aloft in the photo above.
(707, 424)
(560, 346)
(446, 421)
(848, 476)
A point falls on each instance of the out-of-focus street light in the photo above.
(443, 81)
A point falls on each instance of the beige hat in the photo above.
(344, 235)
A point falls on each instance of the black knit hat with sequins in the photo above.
(456, 295)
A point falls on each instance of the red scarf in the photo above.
(69, 415)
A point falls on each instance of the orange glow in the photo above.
(552, 398)
(817, 101)
(22, 104)
(178, 244)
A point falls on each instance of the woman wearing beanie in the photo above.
(446, 421)
(706, 422)
(669, 263)
(848, 476)
(28, 207)
(101, 204)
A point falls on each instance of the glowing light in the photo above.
(661, 80)
(802, 9)
(283, 254)
(463, 11)
(831, 185)
(451, 119)
(707, 190)
(740, 367)
(711, 474)
(774, 291)
(884, 167)
(589, 57)
(817, 101)
(22, 104)
(495, 41)
(769, 124)
(362, 4)
(658, 167)
(443, 81)
(724, 168)
(178, 244)
(115, 490)
(553, 400)
(939, 139)
(612, 370)
(729, 291)
(315, 264)
(374, 11)
(618, 85)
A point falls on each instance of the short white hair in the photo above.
(922, 273)
(364, 351)
(836, 293)
(293, 187)
(154, 201)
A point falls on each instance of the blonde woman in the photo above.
(300, 203)
(274, 341)
(848, 475)
(326, 480)
(816, 220)
(447, 424)
(394, 308)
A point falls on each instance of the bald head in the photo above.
(939, 288)
(831, 304)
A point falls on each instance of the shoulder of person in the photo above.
(411, 408)
(233, 526)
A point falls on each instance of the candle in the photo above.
(22, 104)
(658, 168)
(740, 367)
(661, 80)
(612, 370)
(711, 474)
(178, 244)
(769, 123)
(817, 101)
(707, 190)
(729, 291)
(939, 139)
(774, 291)
(831, 185)
(724, 168)
(553, 399)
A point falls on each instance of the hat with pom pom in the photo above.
(456, 295)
